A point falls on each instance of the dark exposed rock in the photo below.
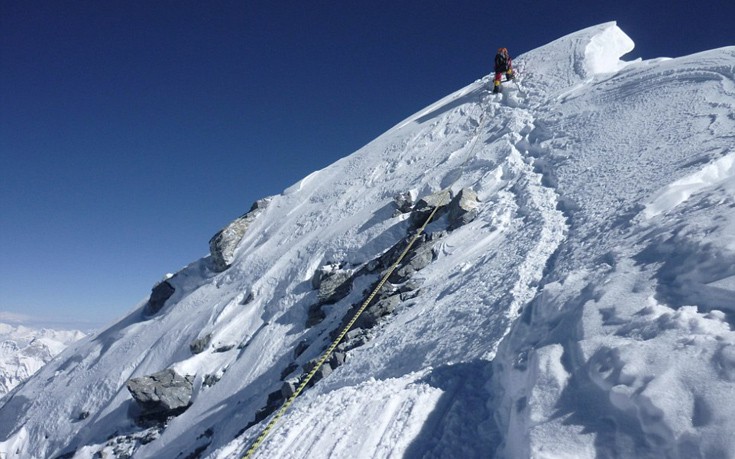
(323, 371)
(259, 416)
(150, 436)
(355, 338)
(162, 393)
(418, 258)
(200, 344)
(372, 265)
(315, 315)
(356, 334)
(247, 297)
(323, 272)
(289, 388)
(301, 347)
(374, 312)
(288, 370)
(334, 285)
(463, 208)
(435, 235)
(224, 348)
(390, 255)
(405, 201)
(223, 244)
(211, 380)
(410, 285)
(308, 366)
(388, 289)
(409, 295)
(337, 358)
(353, 309)
(197, 453)
(274, 397)
(421, 255)
(159, 294)
(426, 205)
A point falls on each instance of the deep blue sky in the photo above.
(131, 131)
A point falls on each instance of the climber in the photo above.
(503, 64)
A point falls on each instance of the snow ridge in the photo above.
(584, 310)
(580, 349)
(537, 202)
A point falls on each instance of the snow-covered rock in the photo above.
(223, 244)
(586, 309)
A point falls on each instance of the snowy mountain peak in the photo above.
(572, 298)
(24, 350)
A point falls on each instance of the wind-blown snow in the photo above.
(602, 54)
(586, 312)
(720, 172)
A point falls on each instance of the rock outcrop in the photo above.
(200, 344)
(424, 206)
(334, 283)
(404, 202)
(159, 294)
(165, 393)
(463, 208)
(223, 244)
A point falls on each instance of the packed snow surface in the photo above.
(587, 311)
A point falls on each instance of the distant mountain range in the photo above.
(23, 350)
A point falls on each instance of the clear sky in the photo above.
(132, 131)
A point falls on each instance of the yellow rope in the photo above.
(334, 344)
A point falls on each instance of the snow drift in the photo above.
(584, 310)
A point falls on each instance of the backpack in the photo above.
(501, 63)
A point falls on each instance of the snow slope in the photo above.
(24, 350)
(586, 312)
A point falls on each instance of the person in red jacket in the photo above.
(503, 64)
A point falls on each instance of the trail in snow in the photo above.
(538, 202)
(593, 361)
(586, 311)
(531, 204)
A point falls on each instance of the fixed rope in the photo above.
(333, 346)
(287, 404)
